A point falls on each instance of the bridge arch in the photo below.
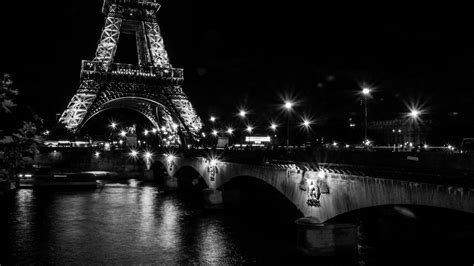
(249, 192)
(189, 178)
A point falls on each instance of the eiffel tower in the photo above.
(152, 88)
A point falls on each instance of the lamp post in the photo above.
(288, 105)
(365, 93)
(414, 114)
(242, 114)
(113, 126)
(273, 127)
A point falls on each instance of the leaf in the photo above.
(7, 104)
(6, 140)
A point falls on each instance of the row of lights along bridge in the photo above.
(288, 106)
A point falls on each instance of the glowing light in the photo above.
(288, 105)
(243, 113)
(133, 153)
(145, 132)
(321, 174)
(334, 144)
(306, 123)
(46, 133)
(273, 126)
(154, 130)
(113, 125)
(366, 91)
(163, 128)
(120, 141)
(174, 126)
(123, 133)
(214, 132)
(212, 119)
(414, 113)
(425, 146)
(97, 154)
(249, 129)
(203, 134)
(213, 162)
(347, 146)
(230, 131)
(147, 155)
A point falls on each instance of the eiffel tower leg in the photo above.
(110, 36)
(144, 56)
(156, 44)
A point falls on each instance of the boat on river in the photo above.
(81, 179)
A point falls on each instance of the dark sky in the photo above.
(249, 52)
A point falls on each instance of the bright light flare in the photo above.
(306, 123)
(213, 162)
(133, 153)
(321, 174)
(214, 132)
(170, 157)
(366, 91)
(123, 133)
(212, 119)
(147, 155)
(113, 125)
(273, 126)
(249, 129)
(145, 132)
(97, 154)
(414, 113)
(288, 105)
(230, 131)
(242, 113)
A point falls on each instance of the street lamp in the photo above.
(212, 119)
(414, 114)
(113, 125)
(306, 123)
(273, 127)
(214, 132)
(288, 105)
(230, 130)
(249, 129)
(366, 94)
(242, 113)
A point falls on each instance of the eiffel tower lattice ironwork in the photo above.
(153, 87)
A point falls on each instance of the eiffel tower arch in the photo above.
(152, 87)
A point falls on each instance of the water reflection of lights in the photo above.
(169, 225)
(133, 183)
(213, 244)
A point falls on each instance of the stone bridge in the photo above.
(323, 193)
(320, 193)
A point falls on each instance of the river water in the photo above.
(139, 223)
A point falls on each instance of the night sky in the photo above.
(250, 53)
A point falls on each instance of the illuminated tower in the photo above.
(152, 87)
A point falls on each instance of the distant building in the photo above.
(400, 131)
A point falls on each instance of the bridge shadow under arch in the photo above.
(251, 195)
(189, 179)
(420, 232)
(159, 172)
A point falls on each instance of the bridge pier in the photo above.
(212, 198)
(319, 239)
(170, 182)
